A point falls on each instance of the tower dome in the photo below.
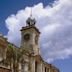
(30, 21)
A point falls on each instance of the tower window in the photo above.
(36, 39)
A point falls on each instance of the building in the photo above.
(3, 49)
(31, 60)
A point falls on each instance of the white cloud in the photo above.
(55, 24)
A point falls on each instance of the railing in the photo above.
(7, 67)
(4, 69)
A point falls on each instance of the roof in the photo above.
(3, 41)
(29, 27)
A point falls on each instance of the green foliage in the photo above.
(10, 46)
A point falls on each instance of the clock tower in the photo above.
(30, 37)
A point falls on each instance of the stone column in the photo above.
(20, 67)
(26, 67)
(39, 68)
(49, 70)
(32, 64)
(43, 68)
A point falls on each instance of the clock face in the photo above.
(27, 37)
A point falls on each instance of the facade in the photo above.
(31, 60)
(3, 49)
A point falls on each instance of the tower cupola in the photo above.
(30, 21)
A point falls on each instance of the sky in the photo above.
(53, 19)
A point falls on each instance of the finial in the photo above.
(31, 12)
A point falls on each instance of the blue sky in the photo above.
(54, 19)
(12, 6)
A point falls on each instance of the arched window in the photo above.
(36, 64)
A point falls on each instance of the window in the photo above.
(36, 39)
(45, 69)
(36, 66)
